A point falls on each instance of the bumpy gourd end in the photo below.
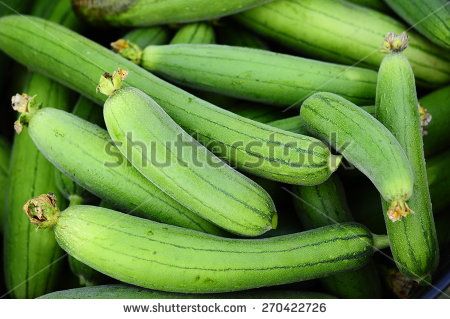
(42, 210)
(25, 105)
(398, 210)
(395, 42)
(334, 161)
(110, 83)
(128, 50)
(425, 119)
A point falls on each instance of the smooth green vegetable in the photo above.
(152, 12)
(429, 17)
(413, 236)
(339, 31)
(238, 37)
(437, 131)
(169, 258)
(5, 154)
(181, 167)
(33, 260)
(323, 205)
(120, 291)
(199, 33)
(439, 181)
(257, 75)
(253, 147)
(365, 143)
(86, 154)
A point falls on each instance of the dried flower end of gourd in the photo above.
(398, 209)
(425, 119)
(110, 83)
(395, 42)
(25, 105)
(128, 50)
(42, 211)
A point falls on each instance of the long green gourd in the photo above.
(180, 166)
(5, 154)
(173, 259)
(429, 17)
(33, 260)
(413, 238)
(437, 130)
(121, 291)
(153, 12)
(87, 155)
(365, 143)
(280, 155)
(257, 75)
(199, 33)
(321, 29)
(323, 205)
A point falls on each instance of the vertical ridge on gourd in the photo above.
(429, 17)
(195, 33)
(325, 204)
(282, 156)
(320, 28)
(173, 259)
(365, 143)
(413, 236)
(98, 167)
(154, 12)
(191, 175)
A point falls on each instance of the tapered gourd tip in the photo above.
(425, 119)
(110, 83)
(25, 105)
(334, 161)
(42, 211)
(395, 42)
(128, 50)
(398, 210)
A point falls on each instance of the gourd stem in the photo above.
(380, 241)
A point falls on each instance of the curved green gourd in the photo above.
(168, 258)
(181, 167)
(365, 143)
